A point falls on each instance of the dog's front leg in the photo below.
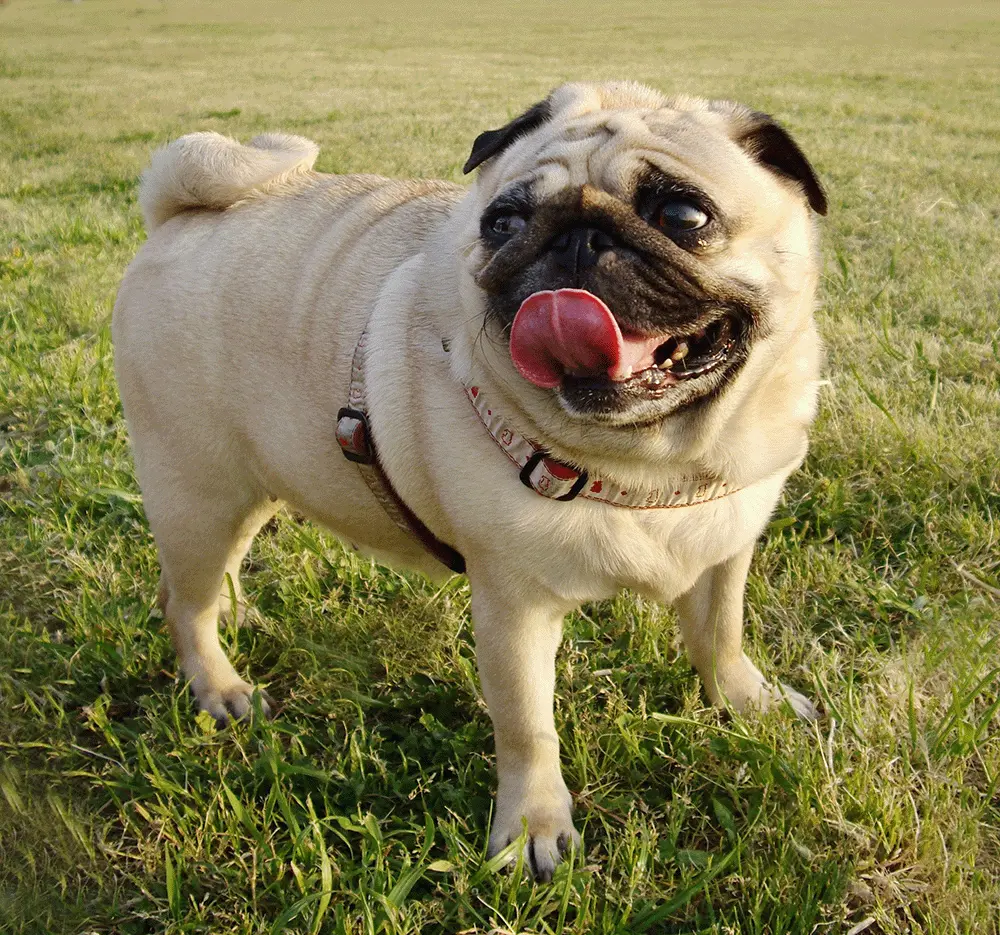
(516, 641)
(711, 623)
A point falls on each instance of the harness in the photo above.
(538, 470)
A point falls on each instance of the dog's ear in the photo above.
(491, 142)
(763, 138)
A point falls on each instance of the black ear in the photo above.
(494, 141)
(770, 144)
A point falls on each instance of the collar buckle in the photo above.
(552, 478)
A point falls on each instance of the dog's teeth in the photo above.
(667, 364)
(681, 352)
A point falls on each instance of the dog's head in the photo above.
(633, 252)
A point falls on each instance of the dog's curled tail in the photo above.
(209, 170)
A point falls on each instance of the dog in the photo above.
(593, 369)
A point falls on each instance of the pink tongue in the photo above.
(573, 331)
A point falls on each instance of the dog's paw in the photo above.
(744, 687)
(549, 821)
(799, 703)
(231, 702)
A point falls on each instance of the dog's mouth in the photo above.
(686, 356)
(569, 338)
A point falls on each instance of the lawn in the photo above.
(363, 807)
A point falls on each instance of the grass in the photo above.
(363, 807)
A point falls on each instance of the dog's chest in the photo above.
(594, 552)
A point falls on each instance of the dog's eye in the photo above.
(507, 225)
(679, 216)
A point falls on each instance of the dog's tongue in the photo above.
(573, 331)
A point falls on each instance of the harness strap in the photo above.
(357, 443)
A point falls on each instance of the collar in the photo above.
(557, 480)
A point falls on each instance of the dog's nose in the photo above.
(580, 247)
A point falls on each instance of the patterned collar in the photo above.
(557, 480)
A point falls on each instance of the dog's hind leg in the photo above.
(202, 530)
(711, 623)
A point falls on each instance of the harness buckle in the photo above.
(354, 436)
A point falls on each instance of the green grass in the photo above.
(363, 807)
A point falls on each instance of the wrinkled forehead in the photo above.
(612, 150)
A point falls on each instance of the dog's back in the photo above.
(242, 235)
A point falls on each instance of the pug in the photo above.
(591, 370)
